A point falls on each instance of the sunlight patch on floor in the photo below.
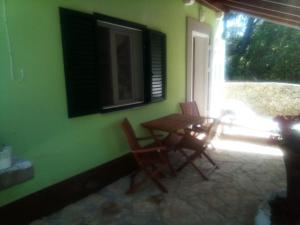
(240, 146)
(241, 120)
(240, 131)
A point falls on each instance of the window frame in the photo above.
(100, 18)
(137, 69)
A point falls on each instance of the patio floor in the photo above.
(230, 197)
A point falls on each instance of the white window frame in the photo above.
(136, 78)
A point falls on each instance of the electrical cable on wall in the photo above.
(9, 45)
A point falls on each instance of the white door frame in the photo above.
(195, 28)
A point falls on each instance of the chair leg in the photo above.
(171, 168)
(210, 160)
(149, 175)
(159, 185)
(190, 159)
(134, 186)
(185, 163)
(155, 180)
(212, 146)
(199, 171)
(166, 161)
(156, 170)
(173, 171)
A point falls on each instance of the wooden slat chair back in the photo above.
(208, 140)
(199, 147)
(150, 160)
(212, 132)
(130, 135)
(189, 108)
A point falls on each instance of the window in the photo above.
(123, 78)
(110, 64)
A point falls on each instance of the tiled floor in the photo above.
(230, 197)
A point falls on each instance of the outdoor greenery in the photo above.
(259, 50)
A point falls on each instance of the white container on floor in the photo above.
(5, 157)
(262, 218)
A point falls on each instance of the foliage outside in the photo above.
(258, 50)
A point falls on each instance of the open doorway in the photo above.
(198, 64)
(205, 86)
(205, 66)
(262, 71)
(262, 65)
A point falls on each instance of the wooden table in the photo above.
(173, 123)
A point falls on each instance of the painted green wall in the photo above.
(33, 113)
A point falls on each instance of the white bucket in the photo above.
(5, 157)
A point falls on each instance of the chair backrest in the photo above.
(189, 108)
(212, 131)
(130, 135)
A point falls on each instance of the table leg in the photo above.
(155, 137)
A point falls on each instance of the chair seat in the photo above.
(170, 142)
(192, 143)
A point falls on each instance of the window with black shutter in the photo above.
(111, 64)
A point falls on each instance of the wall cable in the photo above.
(9, 44)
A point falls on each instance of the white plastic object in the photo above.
(5, 157)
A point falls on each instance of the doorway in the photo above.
(198, 63)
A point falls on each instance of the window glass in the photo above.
(123, 76)
(124, 67)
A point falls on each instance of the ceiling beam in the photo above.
(290, 3)
(269, 6)
(281, 11)
(257, 8)
(273, 18)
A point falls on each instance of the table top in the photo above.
(173, 122)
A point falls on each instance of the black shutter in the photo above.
(80, 60)
(104, 62)
(156, 81)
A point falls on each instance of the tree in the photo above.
(259, 50)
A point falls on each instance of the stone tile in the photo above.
(176, 211)
(230, 197)
(40, 222)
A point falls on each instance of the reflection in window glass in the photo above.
(124, 67)
(121, 65)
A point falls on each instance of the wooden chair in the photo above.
(151, 159)
(211, 133)
(198, 146)
(191, 108)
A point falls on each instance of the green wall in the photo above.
(33, 113)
